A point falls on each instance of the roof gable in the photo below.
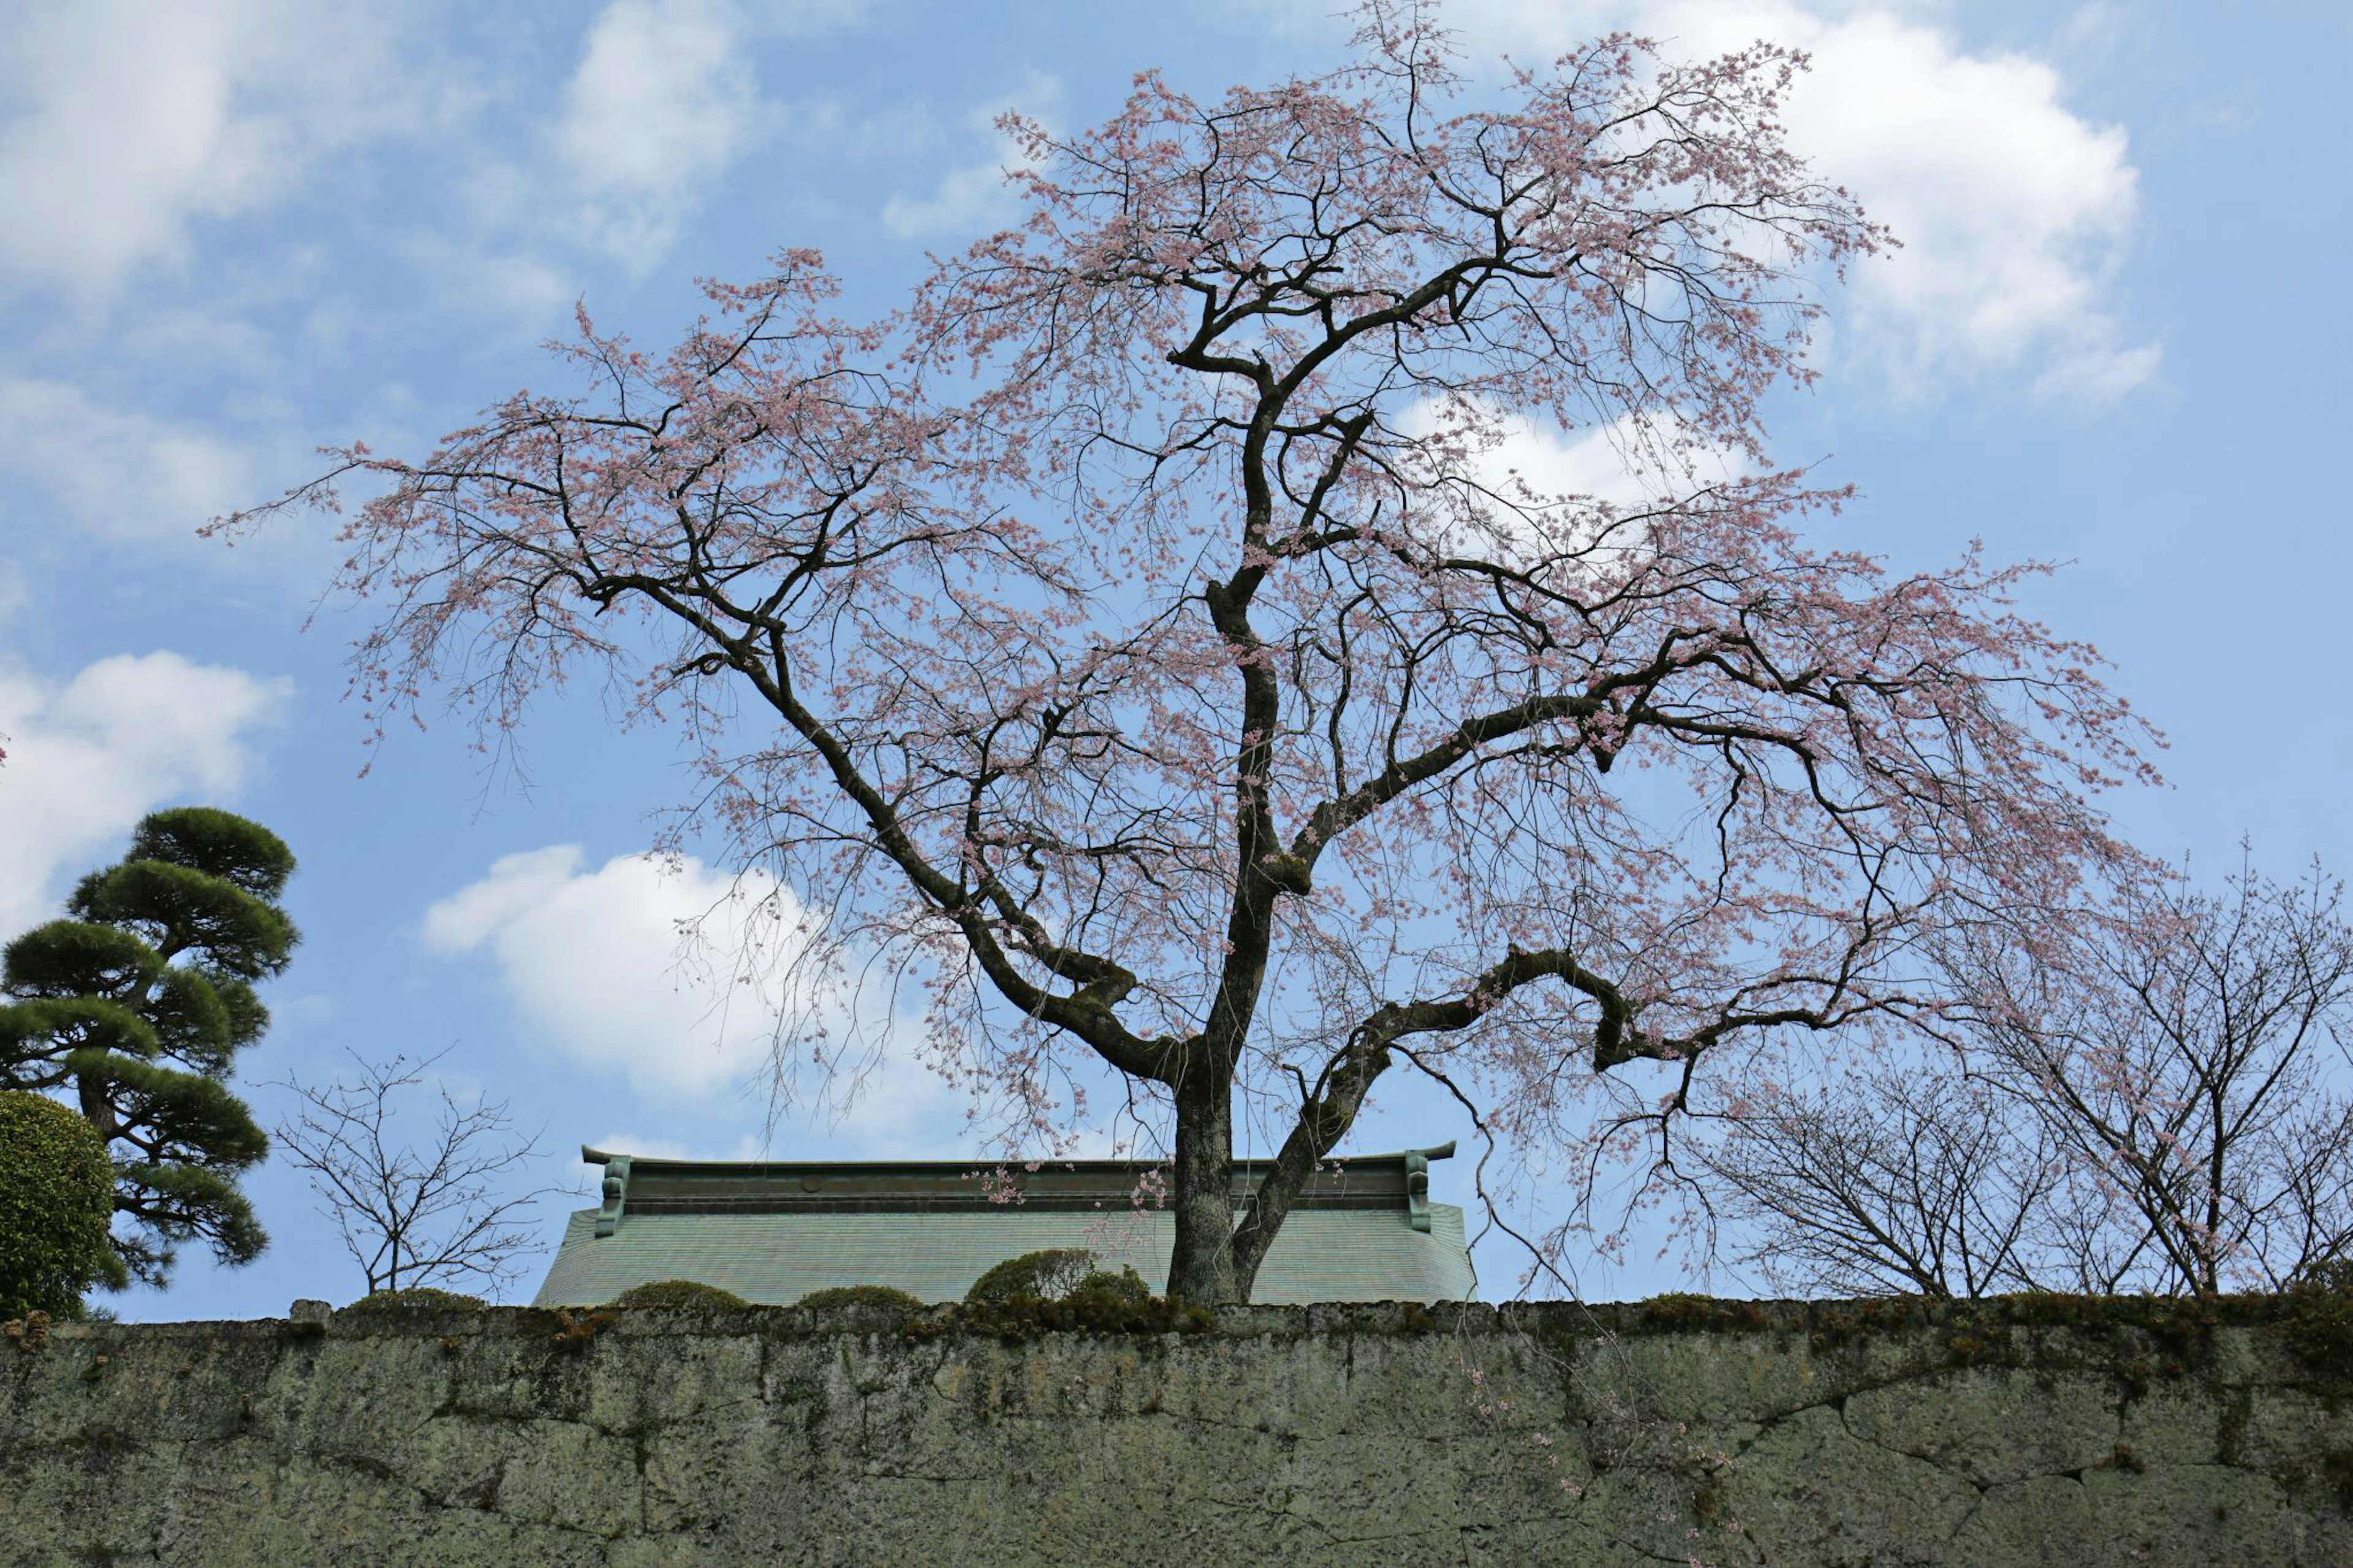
(772, 1231)
(635, 1184)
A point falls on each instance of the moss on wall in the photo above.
(2020, 1431)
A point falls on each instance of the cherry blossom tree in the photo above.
(1147, 634)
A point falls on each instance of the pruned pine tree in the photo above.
(132, 1009)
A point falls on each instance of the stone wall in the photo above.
(1677, 1433)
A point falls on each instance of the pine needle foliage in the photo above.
(132, 1010)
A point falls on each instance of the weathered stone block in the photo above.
(1335, 1435)
(1992, 1427)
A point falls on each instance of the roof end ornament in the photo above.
(616, 1193)
(1416, 1181)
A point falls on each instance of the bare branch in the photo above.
(441, 1213)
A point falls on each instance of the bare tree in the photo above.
(2182, 1054)
(1897, 1181)
(2148, 1106)
(442, 1214)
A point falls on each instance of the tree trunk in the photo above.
(1322, 1124)
(1202, 1271)
(1262, 1216)
(91, 1086)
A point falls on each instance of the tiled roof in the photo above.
(1319, 1255)
(1362, 1230)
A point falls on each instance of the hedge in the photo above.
(57, 1200)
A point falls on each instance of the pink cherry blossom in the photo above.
(1133, 639)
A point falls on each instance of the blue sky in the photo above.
(241, 229)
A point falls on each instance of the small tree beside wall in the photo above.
(439, 1214)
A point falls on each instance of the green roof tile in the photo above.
(1320, 1255)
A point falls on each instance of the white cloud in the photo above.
(1627, 464)
(121, 474)
(2014, 211)
(135, 120)
(86, 760)
(597, 970)
(749, 1146)
(133, 124)
(663, 101)
(961, 204)
(971, 197)
(481, 273)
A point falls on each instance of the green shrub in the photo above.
(1125, 1288)
(888, 1296)
(1688, 1310)
(678, 1293)
(2320, 1318)
(57, 1199)
(1057, 1274)
(416, 1298)
(2329, 1274)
